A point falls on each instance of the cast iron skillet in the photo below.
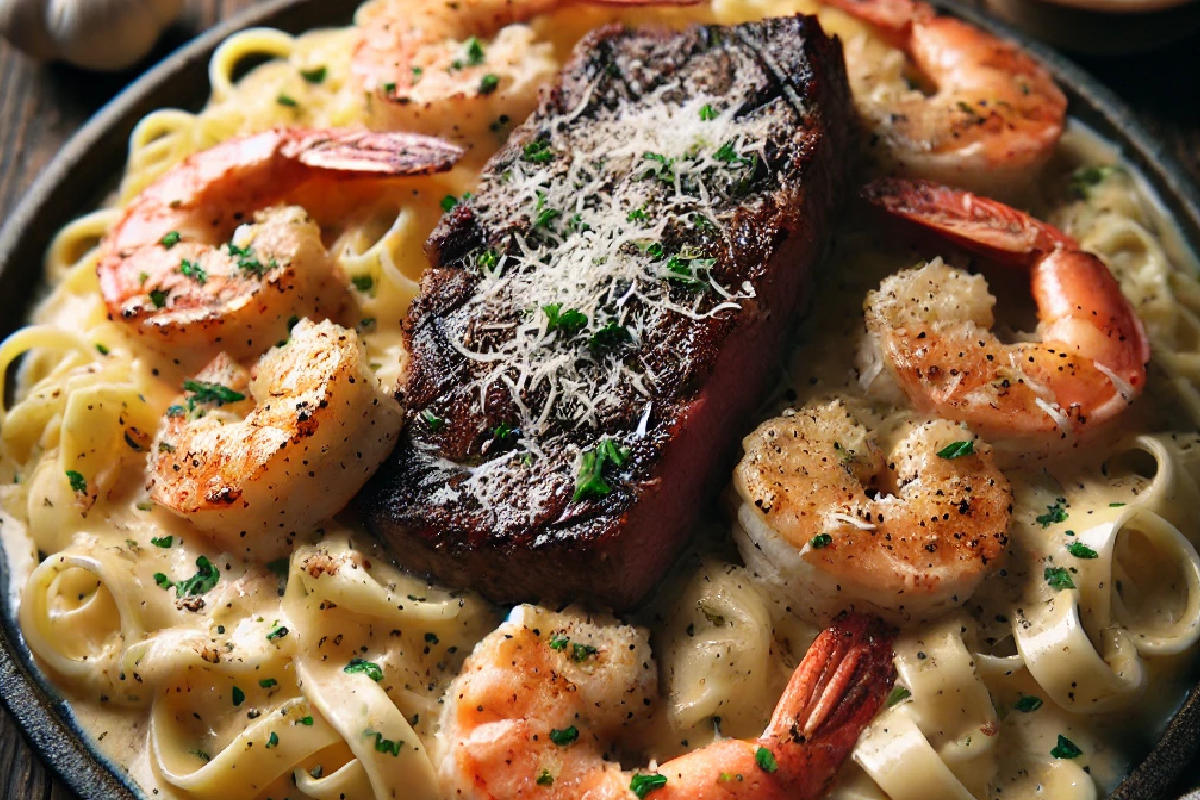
(89, 159)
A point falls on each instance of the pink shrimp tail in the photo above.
(979, 224)
(370, 152)
(832, 696)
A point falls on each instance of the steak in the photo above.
(601, 320)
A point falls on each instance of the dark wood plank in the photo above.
(41, 106)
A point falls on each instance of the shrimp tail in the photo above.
(979, 224)
(832, 696)
(379, 153)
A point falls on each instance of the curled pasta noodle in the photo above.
(78, 611)
(75, 241)
(270, 746)
(244, 44)
(1173, 491)
(717, 653)
(334, 589)
(1139, 263)
(898, 757)
(1053, 637)
(159, 141)
(944, 735)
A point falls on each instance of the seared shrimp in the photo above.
(539, 701)
(837, 523)
(928, 328)
(255, 458)
(182, 273)
(456, 69)
(994, 114)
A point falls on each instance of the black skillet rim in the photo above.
(87, 161)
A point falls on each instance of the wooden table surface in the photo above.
(41, 106)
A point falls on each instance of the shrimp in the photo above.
(540, 700)
(836, 523)
(993, 117)
(255, 458)
(424, 67)
(164, 272)
(928, 328)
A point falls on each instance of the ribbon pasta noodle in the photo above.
(324, 675)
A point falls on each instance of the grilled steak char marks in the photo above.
(611, 305)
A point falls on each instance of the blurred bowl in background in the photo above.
(1101, 27)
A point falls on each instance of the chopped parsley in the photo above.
(449, 202)
(726, 154)
(383, 745)
(278, 632)
(170, 239)
(159, 297)
(643, 784)
(538, 152)
(544, 215)
(272, 740)
(564, 737)
(489, 83)
(475, 52)
(569, 322)
(582, 652)
(637, 215)
(267, 683)
(239, 696)
(559, 641)
(101, 349)
(314, 75)
(590, 483)
(1084, 179)
(611, 335)
(434, 422)
(200, 754)
(363, 283)
(204, 580)
(665, 169)
(162, 541)
(1058, 578)
(1081, 550)
(204, 392)
(488, 259)
(166, 447)
(898, 695)
(306, 721)
(765, 760)
(544, 778)
(359, 666)
(246, 259)
(162, 581)
(431, 638)
(1054, 514)
(957, 450)
(1028, 704)
(1115, 505)
(193, 270)
(77, 481)
(821, 540)
(286, 100)
(708, 114)
(175, 412)
(683, 270)
(1066, 748)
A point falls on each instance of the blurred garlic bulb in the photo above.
(95, 34)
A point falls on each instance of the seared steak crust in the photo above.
(610, 306)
